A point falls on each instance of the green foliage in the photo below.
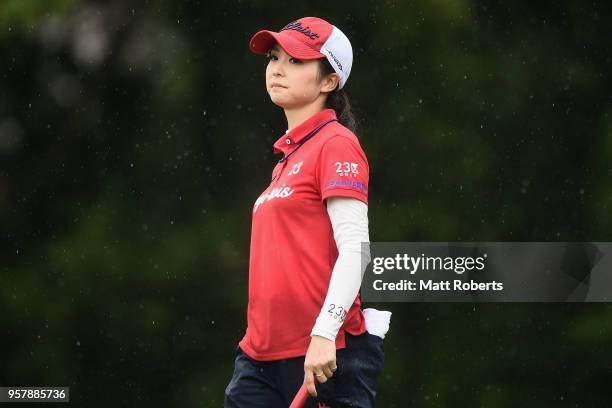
(24, 15)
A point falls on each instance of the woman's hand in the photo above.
(320, 362)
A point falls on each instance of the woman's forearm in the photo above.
(349, 219)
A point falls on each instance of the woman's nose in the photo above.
(277, 70)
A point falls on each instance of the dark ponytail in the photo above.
(338, 99)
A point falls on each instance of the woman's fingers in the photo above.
(321, 378)
(314, 375)
(310, 382)
(327, 371)
(324, 372)
(319, 363)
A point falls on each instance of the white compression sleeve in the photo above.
(349, 219)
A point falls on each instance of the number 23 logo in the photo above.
(337, 312)
(296, 168)
(347, 169)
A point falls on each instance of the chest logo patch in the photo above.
(295, 169)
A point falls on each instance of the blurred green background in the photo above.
(136, 135)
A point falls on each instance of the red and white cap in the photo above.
(310, 38)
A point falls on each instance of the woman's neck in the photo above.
(297, 116)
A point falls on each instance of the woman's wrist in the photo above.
(323, 333)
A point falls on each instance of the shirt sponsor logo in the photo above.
(346, 183)
(278, 192)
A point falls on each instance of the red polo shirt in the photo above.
(293, 250)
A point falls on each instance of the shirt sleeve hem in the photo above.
(340, 192)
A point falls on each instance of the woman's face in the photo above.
(293, 83)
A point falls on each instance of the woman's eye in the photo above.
(272, 57)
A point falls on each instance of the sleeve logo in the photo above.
(346, 184)
(346, 169)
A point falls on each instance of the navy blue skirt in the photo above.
(273, 384)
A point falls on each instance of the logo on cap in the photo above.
(297, 26)
(335, 59)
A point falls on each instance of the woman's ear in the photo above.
(330, 82)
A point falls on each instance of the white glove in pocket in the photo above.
(377, 321)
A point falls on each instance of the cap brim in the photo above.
(263, 40)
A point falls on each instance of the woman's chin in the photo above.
(280, 102)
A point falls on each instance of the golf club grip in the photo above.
(300, 398)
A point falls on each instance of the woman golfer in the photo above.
(305, 322)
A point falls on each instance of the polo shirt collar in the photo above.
(295, 135)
